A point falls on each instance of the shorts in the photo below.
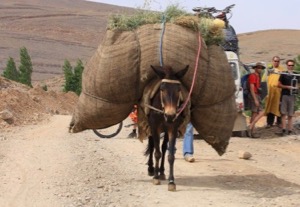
(287, 106)
(253, 107)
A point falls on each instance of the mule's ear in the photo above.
(159, 71)
(182, 72)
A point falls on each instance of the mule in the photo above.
(164, 118)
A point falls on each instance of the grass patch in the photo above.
(211, 33)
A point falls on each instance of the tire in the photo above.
(102, 135)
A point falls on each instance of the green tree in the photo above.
(25, 67)
(69, 77)
(73, 78)
(297, 65)
(11, 72)
(297, 70)
(78, 70)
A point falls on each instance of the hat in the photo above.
(259, 64)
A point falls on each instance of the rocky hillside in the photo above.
(22, 105)
(52, 31)
(55, 30)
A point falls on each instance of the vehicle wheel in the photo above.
(102, 133)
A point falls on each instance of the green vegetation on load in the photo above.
(172, 14)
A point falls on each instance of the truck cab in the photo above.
(240, 124)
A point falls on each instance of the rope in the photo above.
(195, 69)
(103, 99)
(194, 77)
(153, 108)
(161, 40)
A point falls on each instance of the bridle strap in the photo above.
(153, 108)
(162, 104)
(170, 81)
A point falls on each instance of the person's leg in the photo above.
(283, 116)
(253, 115)
(133, 133)
(284, 106)
(252, 125)
(255, 120)
(290, 124)
(278, 120)
(291, 112)
(270, 119)
(188, 146)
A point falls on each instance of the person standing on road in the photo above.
(274, 93)
(134, 118)
(255, 99)
(188, 143)
(289, 90)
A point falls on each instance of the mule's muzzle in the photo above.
(170, 118)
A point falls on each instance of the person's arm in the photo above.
(252, 91)
(280, 85)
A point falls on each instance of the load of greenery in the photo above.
(73, 77)
(23, 75)
(212, 33)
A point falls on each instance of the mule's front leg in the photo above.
(164, 147)
(171, 159)
(157, 155)
(150, 152)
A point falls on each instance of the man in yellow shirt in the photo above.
(274, 93)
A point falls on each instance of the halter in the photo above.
(180, 94)
(162, 104)
(170, 81)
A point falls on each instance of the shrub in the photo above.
(73, 78)
(25, 68)
(11, 72)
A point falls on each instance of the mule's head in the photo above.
(170, 90)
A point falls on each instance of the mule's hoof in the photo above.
(150, 173)
(156, 181)
(162, 176)
(171, 187)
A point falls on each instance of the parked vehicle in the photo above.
(240, 124)
(231, 40)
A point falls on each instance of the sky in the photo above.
(248, 15)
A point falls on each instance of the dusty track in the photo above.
(44, 165)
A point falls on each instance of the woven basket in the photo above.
(115, 78)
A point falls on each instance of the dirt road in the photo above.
(43, 165)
